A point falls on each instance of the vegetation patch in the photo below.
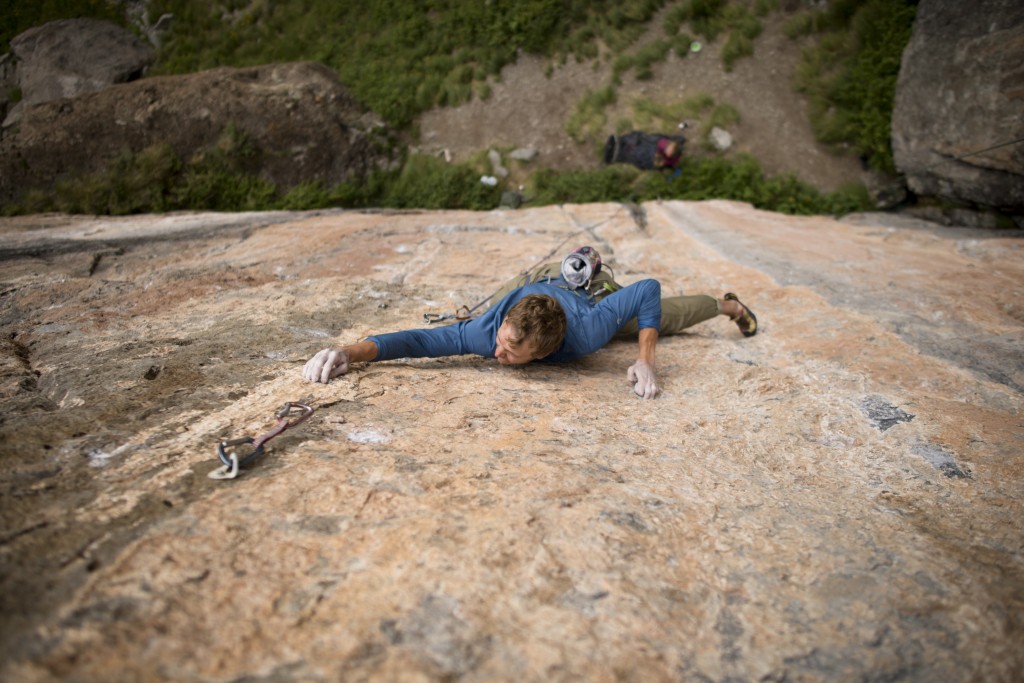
(401, 58)
(700, 111)
(709, 19)
(712, 178)
(850, 74)
(156, 180)
(590, 119)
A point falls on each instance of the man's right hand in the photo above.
(326, 365)
(641, 376)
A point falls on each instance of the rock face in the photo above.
(837, 498)
(960, 91)
(300, 121)
(72, 57)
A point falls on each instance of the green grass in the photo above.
(700, 111)
(741, 180)
(398, 58)
(739, 21)
(402, 58)
(156, 180)
(850, 73)
(589, 121)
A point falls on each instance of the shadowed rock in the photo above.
(72, 57)
(957, 129)
(296, 122)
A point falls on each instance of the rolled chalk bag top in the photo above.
(580, 267)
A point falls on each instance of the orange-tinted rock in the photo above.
(836, 498)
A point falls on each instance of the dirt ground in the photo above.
(529, 109)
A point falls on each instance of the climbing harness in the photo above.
(232, 462)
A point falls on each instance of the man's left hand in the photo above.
(641, 376)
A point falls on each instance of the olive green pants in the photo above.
(677, 312)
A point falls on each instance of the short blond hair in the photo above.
(538, 318)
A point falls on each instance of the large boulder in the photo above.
(299, 122)
(961, 91)
(72, 57)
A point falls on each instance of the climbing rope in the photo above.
(975, 153)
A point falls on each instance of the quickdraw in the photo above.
(232, 462)
(463, 313)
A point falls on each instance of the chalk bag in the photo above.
(580, 267)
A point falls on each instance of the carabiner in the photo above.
(224, 445)
(229, 471)
(288, 407)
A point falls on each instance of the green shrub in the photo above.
(675, 18)
(763, 8)
(209, 184)
(850, 75)
(307, 196)
(609, 184)
(736, 46)
(741, 179)
(131, 183)
(156, 180)
(681, 45)
(427, 182)
(621, 65)
(800, 25)
(711, 18)
(706, 17)
(649, 55)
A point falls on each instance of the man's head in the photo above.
(533, 328)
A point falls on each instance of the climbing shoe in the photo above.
(746, 321)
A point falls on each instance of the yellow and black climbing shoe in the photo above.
(746, 321)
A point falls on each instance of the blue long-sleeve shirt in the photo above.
(589, 325)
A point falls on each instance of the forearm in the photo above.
(432, 342)
(648, 342)
(361, 352)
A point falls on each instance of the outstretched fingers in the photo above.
(326, 365)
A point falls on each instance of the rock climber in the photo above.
(557, 312)
(668, 154)
(646, 151)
